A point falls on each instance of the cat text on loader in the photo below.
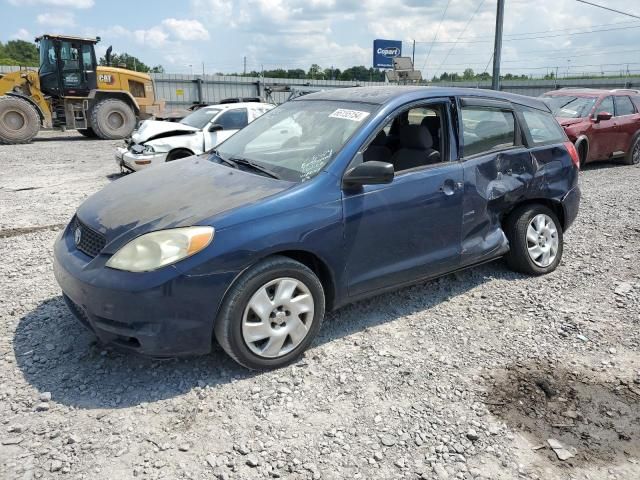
(70, 91)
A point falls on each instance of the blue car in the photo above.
(325, 200)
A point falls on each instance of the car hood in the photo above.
(150, 129)
(176, 194)
(565, 122)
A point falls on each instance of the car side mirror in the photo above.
(603, 116)
(369, 173)
(216, 127)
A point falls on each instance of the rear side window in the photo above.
(485, 129)
(624, 106)
(541, 127)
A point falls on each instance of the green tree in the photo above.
(468, 74)
(19, 52)
(315, 72)
(127, 61)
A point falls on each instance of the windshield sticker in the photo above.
(309, 168)
(354, 115)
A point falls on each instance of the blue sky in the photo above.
(182, 35)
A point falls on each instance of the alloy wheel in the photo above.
(542, 240)
(278, 317)
(635, 156)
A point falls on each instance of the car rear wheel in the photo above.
(633, 156)
(535, 240)
(271, 314)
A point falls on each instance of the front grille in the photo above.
(91, 242)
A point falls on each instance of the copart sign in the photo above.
(384, 51)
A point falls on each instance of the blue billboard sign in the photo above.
(384, 51)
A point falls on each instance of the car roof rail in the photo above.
(631, 90)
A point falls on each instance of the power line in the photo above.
(625, 23)
(459, 36)
(586, 32)
(608, 8)
(436, 35)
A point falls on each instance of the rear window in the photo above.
(624, 106)
(485, 129)
(542, 128)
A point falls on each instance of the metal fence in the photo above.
(180, 91)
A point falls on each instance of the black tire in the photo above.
(633, 155)
(178, 153)
(228, 326)
(87, 132)
(516, 227)
(19, 121)
(582, 154)
(112, 119)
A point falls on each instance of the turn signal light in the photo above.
(575, 158)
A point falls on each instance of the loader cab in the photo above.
(67, 65)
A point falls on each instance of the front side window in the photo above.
(298, 139)
(486, 128)
(200, 118)
(624, 106)
(412, 139)
(542, 127)
(233, 119)
(606, 106)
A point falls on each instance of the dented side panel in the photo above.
(498, 182)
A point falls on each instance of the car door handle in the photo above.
(449, 186)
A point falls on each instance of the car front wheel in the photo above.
(535, 240)
(271, 314)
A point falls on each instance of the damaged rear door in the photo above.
(498, 171)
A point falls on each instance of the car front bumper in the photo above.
(161, 314)
(132, 161)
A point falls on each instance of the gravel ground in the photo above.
(465, 377)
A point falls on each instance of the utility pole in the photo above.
(202, 69)
(413, 55)
(244, 70)
(497, 49)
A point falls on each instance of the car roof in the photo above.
(591, 92)
(227, 106)
(385, 94)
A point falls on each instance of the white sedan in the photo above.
(158, 142)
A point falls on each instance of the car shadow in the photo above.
(57, 355)
(79, 138)
(602, 165)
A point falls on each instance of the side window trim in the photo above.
(445, 101)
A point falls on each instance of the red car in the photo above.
(603, 124)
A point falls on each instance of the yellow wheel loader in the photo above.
(70, 91)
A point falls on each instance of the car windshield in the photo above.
(567, 106)
(298, 139)
(200, 118)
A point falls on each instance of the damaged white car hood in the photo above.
(150, 129)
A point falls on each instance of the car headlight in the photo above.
(158, 249)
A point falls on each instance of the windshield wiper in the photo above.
(229, 162)
(248, 163)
